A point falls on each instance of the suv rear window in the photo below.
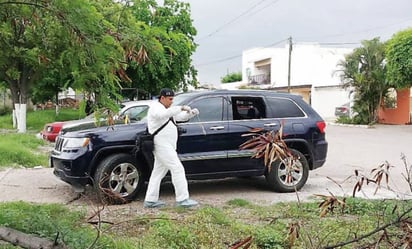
(284, 108)
(248, 108)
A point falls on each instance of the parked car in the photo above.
(51, 130)
(208, 145)
(343, 110)
(134, 110)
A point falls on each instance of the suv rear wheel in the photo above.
(288, 178)
(118, 179)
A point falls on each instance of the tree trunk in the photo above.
(28, 241)
(19, 90)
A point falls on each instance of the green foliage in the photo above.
(364, 71)
(21, 150)
(49, 219)
(210, 227)
(398, 56)
(165, 36)
(232, 77)
(239, 202)
(95, 46)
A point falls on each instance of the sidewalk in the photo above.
(37, 185)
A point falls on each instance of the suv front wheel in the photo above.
(288, 177)
(118, 179)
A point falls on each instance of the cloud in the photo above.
(226, 28)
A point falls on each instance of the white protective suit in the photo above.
(165, 155)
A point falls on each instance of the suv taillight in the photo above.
(321, 126)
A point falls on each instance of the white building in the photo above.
(313, 73)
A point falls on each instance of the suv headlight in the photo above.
(72, 143)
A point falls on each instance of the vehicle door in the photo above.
(246, 113)
(202, 144)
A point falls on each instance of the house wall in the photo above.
(326, 99)
(310, 64)
(399, 115)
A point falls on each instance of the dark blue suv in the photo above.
(208, 144)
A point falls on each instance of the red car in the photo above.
(135, 110)
(51, 130)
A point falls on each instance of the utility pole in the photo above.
(290, 59)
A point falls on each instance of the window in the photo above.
(390, 99)
(210, 109)
(137, 112)
(284, 108)
(248, 108)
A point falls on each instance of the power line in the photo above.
(232, 21)
(338, 43)
(264, 7)
(236, 56)
(359, 31)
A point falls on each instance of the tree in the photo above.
(166, 43)
(232, 77)
(71, 37)
(364, 71)
(398, 58)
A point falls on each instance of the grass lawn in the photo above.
(282, 225)
(18, 149)
(35, 120)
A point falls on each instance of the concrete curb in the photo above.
(351, 125)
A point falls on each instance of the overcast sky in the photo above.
(227, 27)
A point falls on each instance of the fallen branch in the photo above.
(28, 241)
(394, 222)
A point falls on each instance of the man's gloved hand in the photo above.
(195, 111)
(186, 108)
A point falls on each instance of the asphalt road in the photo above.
(350, 149)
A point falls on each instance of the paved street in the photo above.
(363, 149)
(350, 148)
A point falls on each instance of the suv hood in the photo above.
(116, 132)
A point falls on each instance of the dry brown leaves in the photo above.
(329, 203)
(293, 233)
(268, 145)
(379, 173)
(244, 243)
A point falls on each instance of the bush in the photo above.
(232, 77)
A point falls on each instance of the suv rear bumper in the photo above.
(320, 151)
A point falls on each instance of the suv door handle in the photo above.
(215, 128)
(270, 124)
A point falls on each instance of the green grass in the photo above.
(22, 150)
(49, 220)
(35, 120)
(208, 227)
(25, 149)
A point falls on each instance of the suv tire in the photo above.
(118, 179)
(278, 175)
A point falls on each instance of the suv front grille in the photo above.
(59, 144)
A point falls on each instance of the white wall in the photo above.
(310, 64)
(325, 99)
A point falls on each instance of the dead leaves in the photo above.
(244, 243)
(268, 145)
(329, 204)
(378, 174)
(293, 233)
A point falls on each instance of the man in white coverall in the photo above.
(165, 155)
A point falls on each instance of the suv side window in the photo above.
(248, 108)
(284, 108)
(137, 112)
(210, 109)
